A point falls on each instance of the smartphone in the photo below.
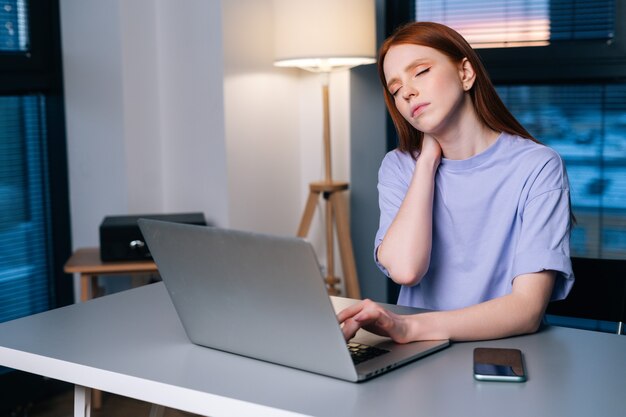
(499, 364)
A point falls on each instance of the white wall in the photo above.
(172, 109)
(94, 107)
(261, 113)
(144, 110)
(190, 44)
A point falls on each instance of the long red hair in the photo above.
(490, 109)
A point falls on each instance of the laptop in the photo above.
(264, 297)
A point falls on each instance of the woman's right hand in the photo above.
(372, 317)
(431, 149)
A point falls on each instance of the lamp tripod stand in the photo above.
(336, 216)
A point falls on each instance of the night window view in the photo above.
(587, 126)
(24, 199)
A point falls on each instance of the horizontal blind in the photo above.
(24, 208)
(582, 19)
(488, 24)
(13, 26)
(586, 124)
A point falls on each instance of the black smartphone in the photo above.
(499, 364)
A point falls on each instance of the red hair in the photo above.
(490, 109)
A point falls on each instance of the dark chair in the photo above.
(599, 292)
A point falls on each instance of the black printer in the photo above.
(121, 239)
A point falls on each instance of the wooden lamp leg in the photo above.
(345, 246)
(307, 216)
(336, 217)
(331, 279)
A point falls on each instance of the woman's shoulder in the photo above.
(530, 150)
(540, 162)
(398, 156)
(398, 159)
(396, 165)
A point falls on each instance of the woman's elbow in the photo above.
(401, 270)
(532, 323)
(533, 326)
(406, 276)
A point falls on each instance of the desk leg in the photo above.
(89, 290)
(157, 410)
(88, 287)
(82, 401)
(85, 283)
(97, 399)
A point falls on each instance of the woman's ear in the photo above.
(467, 74)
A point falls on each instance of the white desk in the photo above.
(141, 351)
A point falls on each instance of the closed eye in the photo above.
(418, 73)
(394, 92)
(395, 89)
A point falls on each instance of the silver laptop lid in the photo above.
(251, 294)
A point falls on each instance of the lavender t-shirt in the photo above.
(497, 215)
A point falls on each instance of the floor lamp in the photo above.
(324, 36)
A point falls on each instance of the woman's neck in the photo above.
(467, 138)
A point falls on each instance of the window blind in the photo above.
(13, 26)
(24, 208)
(586, 124)
(509, 23)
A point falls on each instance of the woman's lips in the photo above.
(417, 110)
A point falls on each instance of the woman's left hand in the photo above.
(373, 318)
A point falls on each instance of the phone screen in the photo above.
(498, 364)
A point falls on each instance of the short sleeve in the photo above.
(544, 239)
(392, 188)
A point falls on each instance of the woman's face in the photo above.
(426, 85)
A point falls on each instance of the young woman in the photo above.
(475, 213)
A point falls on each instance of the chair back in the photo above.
(599, 291)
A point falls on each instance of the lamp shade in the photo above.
(323, 35)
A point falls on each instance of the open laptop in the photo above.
(264, 297)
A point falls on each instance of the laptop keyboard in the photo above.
(361, 353)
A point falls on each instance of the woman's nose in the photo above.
(409, 92)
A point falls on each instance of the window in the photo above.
(24, 208)
(13, 26)
(514, 23)
(586, 124)
(34, 209)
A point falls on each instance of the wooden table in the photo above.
(87, 263)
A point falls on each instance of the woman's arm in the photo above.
(519, 312)
(405, 249)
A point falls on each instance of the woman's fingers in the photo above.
(349, 329)
(350, 311)
(356, 316)
(368, 315)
